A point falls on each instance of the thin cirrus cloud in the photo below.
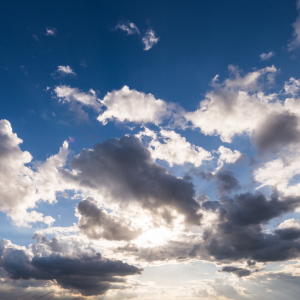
(295, 43)
(149, 39)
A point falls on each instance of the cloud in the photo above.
(87, 273)
(235, 106)
(76, 99)
(292, 86)
(267, 56)
(227, 156)
(237, 233)
(239, 272)
(295, 43)
(173, 148)
(63, 71)
(21, 187)
(122, 171)
(51, 31)
(133, 106)
(226, 182)
(96, 223)
(128, 27)
(149, 39)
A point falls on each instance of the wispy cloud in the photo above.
(295, 43)
(128, 27)
(148, 39)
(63, 71)
(51, 31)
(267, 56)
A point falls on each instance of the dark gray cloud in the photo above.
(89, 274)
(123, 168)
(238, 233)
(239, 272)
(55, 245)
(96, 223)
(226, 182)
(278, 132)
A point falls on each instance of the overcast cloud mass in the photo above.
(150, 151)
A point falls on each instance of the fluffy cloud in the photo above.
(149, 39)
(237, 233)
(76, 99)
(21, 187)
(227, 156)
(96, 223)
(173, 148)
(295, 43)
(267, 56)
(133, 106)
(122, 171)
(87, 273)
(235, 106)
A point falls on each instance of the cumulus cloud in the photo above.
(237, 233)
(76, 99)
(133, 106)
(87, 273)
(173, 148)
(292, 86)
(21, 187)
(123, 171)
(227, 156)
(96, 223)
(295, 43)
(235, 106)
(51, 31)
(149, 39)
(267, 56)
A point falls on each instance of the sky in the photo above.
(150, 150)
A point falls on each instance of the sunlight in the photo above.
(154, 237)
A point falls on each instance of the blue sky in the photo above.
(149, 149)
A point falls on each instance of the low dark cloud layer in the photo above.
(96, 223)
(89, 274)
(123, 168)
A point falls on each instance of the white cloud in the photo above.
(267, 56)
(295, 43)
(235, 106)
(128, 27)
(64, 70)
(20, 186)
(66, 94)
(133, 106)
(174, 149)
(228, 156)
(290, 223)
(292, 86)
(279, 173)
(149, 39)
(51, 31)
